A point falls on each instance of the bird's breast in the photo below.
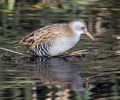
(62, 44)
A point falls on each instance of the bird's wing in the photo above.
(42, 35)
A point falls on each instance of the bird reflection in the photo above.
(57, 72)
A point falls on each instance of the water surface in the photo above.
(94, 76)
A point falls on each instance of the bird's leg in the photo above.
(66, 54)
(78, 53)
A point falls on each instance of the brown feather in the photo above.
(46, 34)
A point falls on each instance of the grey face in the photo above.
(79, 26)
(82, 29)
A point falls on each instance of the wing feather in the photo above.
(44, 35)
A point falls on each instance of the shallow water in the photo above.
(94, 76)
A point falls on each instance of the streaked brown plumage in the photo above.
(55, 39)
(46, 34)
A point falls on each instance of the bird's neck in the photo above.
(76, 33)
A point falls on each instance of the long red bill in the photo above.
(90, 36)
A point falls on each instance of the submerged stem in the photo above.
(5, 49)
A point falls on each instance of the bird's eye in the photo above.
(82, 28)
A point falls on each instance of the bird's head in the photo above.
(79, 27)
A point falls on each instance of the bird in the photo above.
(55, 39)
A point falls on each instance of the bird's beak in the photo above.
(89, 35)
